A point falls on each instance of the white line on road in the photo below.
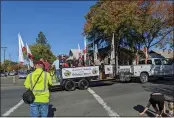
(13, 108)
(101, 101)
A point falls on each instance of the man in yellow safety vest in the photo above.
(41, 90)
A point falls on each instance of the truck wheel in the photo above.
(70, 85)
(144, 77)
(83, 84)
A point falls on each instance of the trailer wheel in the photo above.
(144, 77)
(122, 77)
(70, 85)
(83, 84)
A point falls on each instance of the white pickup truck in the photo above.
(155, 67)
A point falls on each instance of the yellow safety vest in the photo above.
(41, 91)
(53, 75)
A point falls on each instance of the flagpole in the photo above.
(28, 63)
(20, 55)
(85, 49)
(94, 49)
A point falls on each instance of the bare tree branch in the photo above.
(154, 26)
(161, 38)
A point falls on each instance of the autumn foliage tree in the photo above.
(108, 17)
(137, 24)
(154, 23)
(9, 66)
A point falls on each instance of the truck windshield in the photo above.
(167, 61)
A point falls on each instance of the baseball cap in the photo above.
(39, 62)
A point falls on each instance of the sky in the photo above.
(61, 21)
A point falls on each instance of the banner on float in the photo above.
(80, 72)
(108, 69)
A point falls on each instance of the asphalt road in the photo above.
(123, 99)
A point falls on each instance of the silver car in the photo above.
(2, 74)
(22, 74)
(12, 73)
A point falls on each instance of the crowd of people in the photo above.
(64, 63)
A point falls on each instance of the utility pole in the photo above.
(4, 56)
(116, 55)
(10, 60)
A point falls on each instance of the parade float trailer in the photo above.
(80, 77)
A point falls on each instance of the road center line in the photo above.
(101, 101)
(7, 113)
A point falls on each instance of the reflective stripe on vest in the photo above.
(44, 90)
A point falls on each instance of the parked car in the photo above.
(22, 74)
(12, 73)
(3, 75)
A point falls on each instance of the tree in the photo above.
(154, 23)
(42, 40)
(135, 24)
(108, 17)
(41, 51)
(8, 65)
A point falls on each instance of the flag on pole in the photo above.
(22, 44)
(137, 58)
(79, 51)
(20, 56)
(95, 52)
(146, 54)
(113, 48)
(79, 48)
(85, 48)
(30, 56)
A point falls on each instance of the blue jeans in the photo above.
(39, 109)
(59, 75)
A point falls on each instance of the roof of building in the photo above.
(164, 53)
